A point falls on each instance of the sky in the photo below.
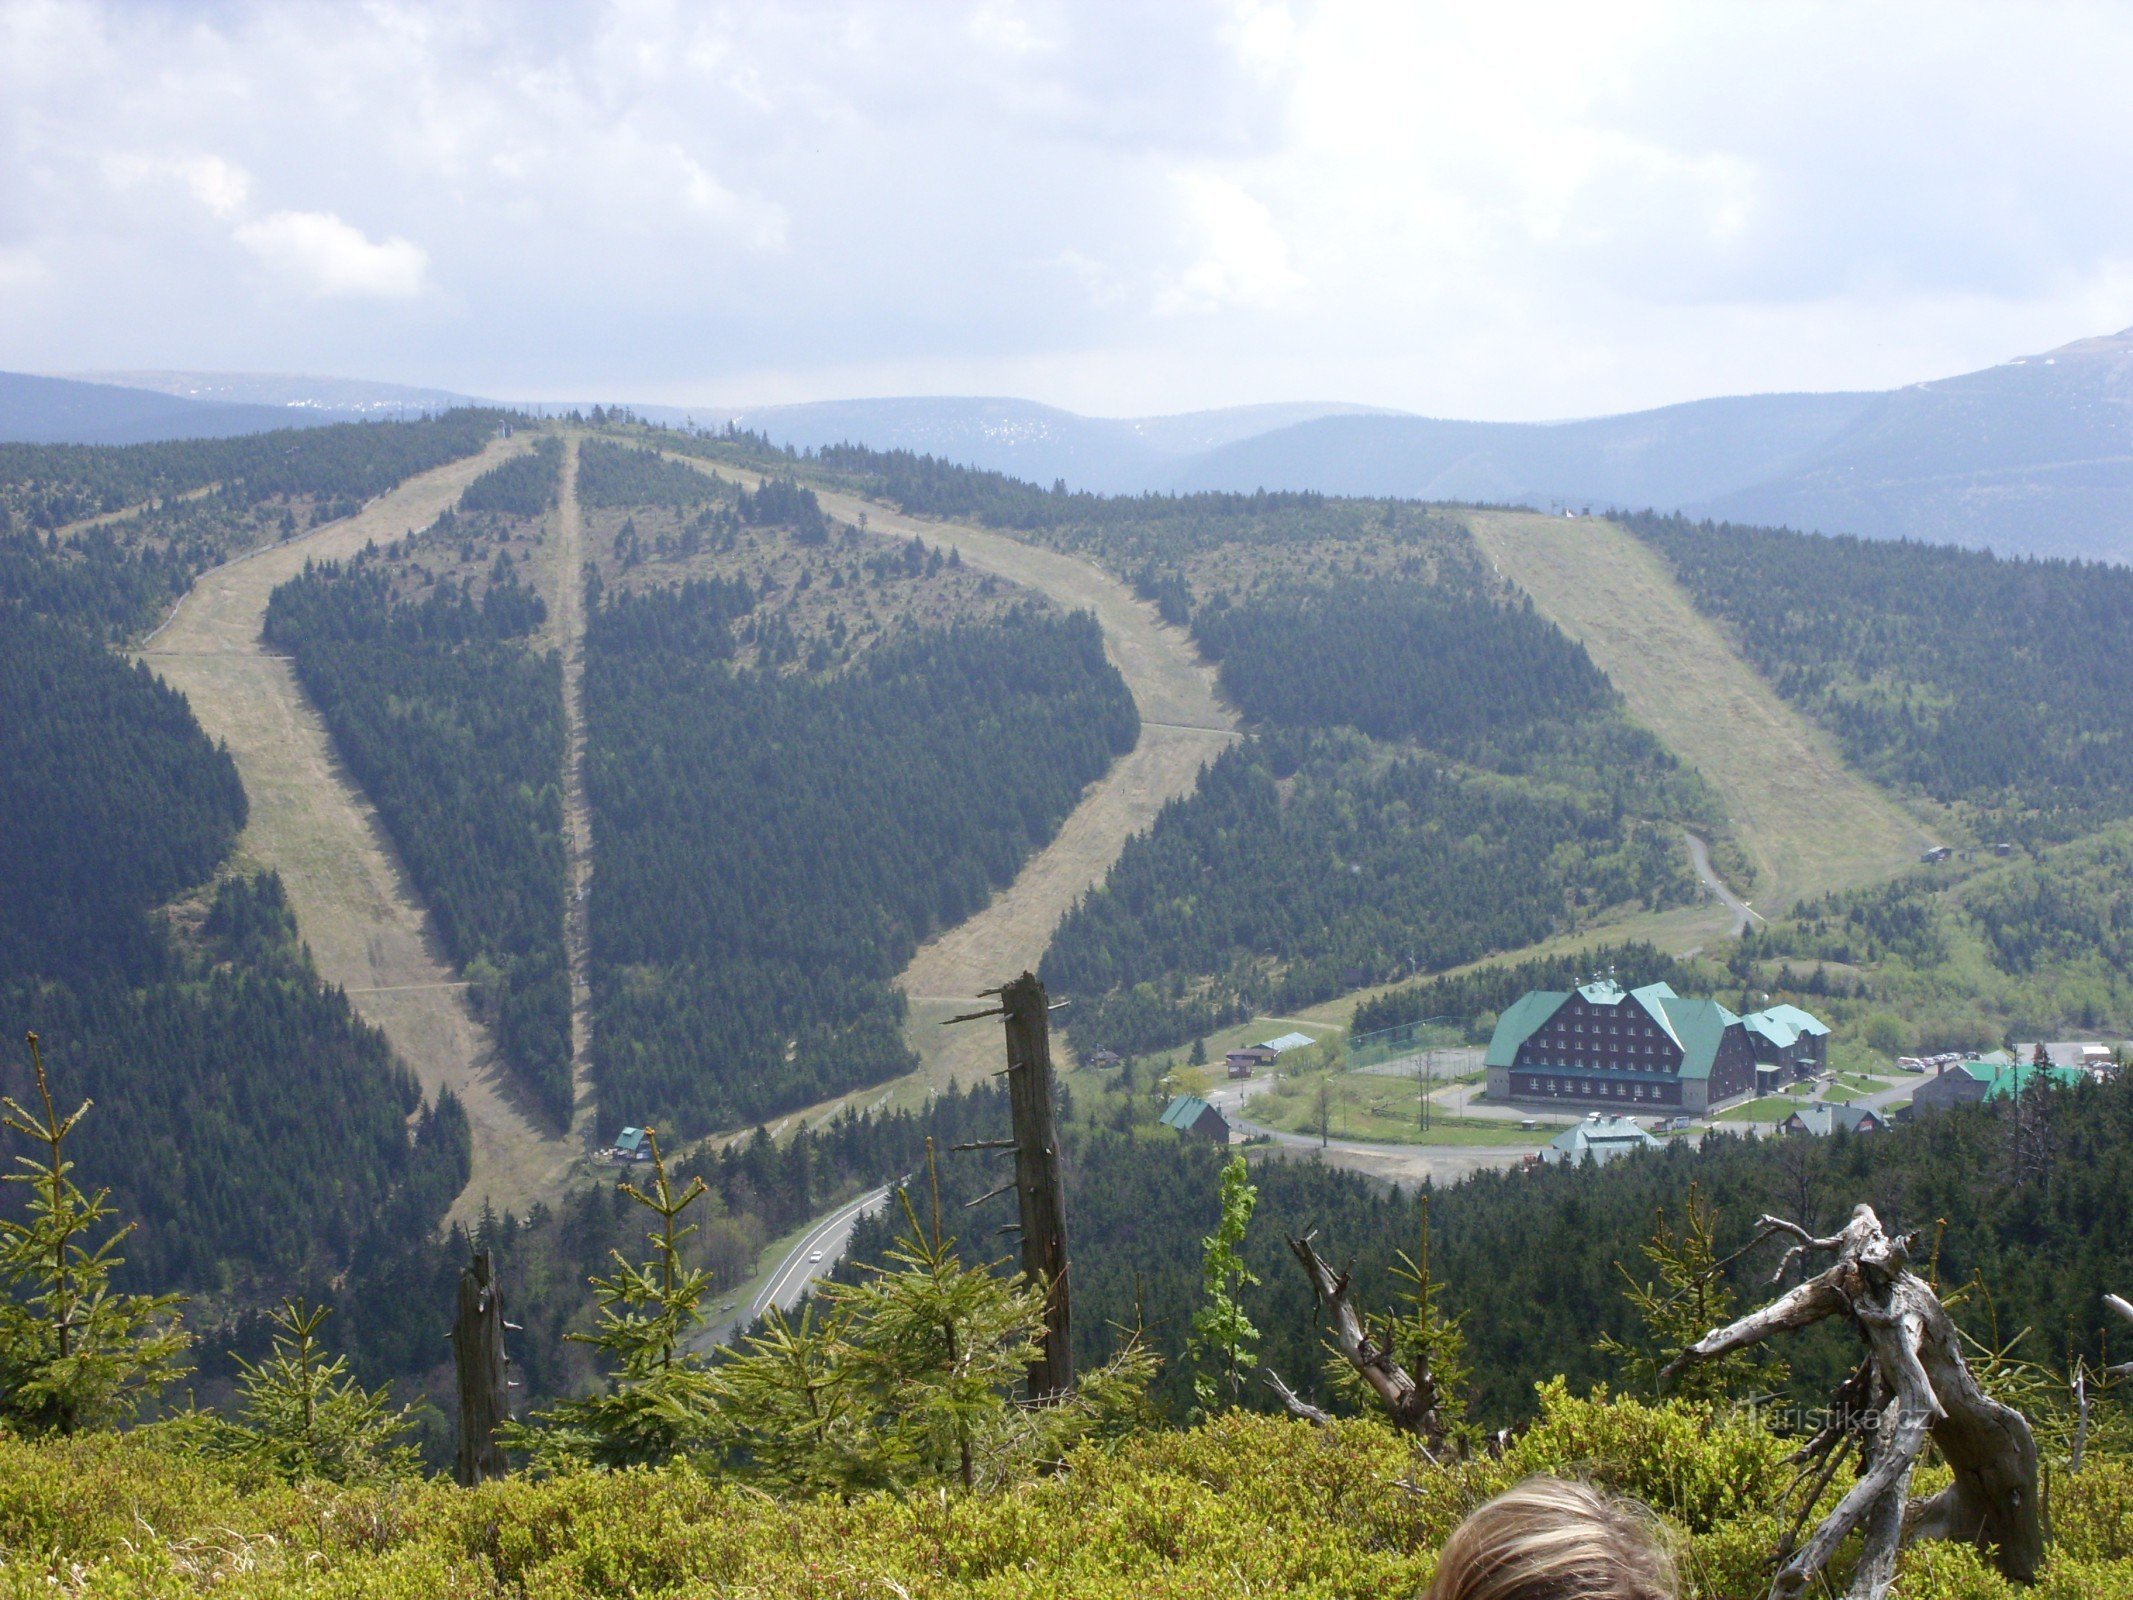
(1503, 210)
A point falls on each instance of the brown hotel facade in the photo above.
(1601, 1046)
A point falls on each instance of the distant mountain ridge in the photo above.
(36, 410)
(2034, 456)
(344, 398)
(1113, 455)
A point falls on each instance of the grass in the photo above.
(1368, 1105)
(1807, 822)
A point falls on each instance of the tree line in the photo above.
(44, 486)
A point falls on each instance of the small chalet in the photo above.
(1961, 1084)
(1191, 1115)
(631, 1144)
(1599, 1139)
(1243, 1063)
(1823, 1120)
(1971, 1083)
(1645, 1049)
(1105, 1060)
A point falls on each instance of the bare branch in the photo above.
(1295, 1404)
(1411, 1404)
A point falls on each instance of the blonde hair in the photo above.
(1551, 1540)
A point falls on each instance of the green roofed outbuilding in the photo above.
(1194, 1117)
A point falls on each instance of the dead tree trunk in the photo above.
(484, 1390)
(1409, 1400)
(1912, 1386)
(1040, 1190)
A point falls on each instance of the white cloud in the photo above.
(21, 269)
(1534, 208)
(215, 183)
(1243, 259)
(324, 256)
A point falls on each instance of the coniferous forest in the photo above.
(1303, 866)
(1447, 668)
(453, 725)
(773, 847)
(2005, 685)
(252, 1124)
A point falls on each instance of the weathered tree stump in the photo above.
(484, 1389)
(1912, 1386)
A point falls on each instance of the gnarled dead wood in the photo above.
(1295, 1404)
(1410, 1400)
(1914, 1386)
(2125, 1368)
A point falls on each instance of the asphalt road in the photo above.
(1700, 858)
(795, 1275)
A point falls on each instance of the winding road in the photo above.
(1700, 859)
(798, 1272)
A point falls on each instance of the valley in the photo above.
(365, 927)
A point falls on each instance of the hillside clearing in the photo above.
(562, 585)
(309, 822)
(1807, 821)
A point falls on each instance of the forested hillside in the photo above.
(1399, 660)
(773, 846)
(2004, 686)
(249, 1123)
(452, 722)
(2039, 1207)
(1502, 798)
(1305, 865)
(1958, 957)
(47, 486)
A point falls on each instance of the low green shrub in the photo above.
(1245, 1505)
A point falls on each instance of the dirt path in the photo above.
(311, 823)
(566, 635)
(1184, 724)
(1807, 821)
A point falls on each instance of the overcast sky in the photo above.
(1483, 210)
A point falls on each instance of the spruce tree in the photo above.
(661, 1401)
(73, 1354)
(302, 1416)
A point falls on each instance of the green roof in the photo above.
(1183, 1112)
(1526, 1016)
(1784, 1026)
(1698, 1026)
(2015, 1081)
